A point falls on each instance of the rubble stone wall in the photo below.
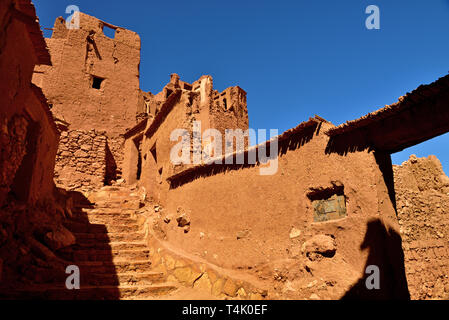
(422, 198)
(81, 160)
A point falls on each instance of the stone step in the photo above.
(109, 255)
(115, 196)
(81, 227)
(112, 245)
(104, 211)
(108, 237)
(104, 219)
(98, 267)
(124, 279)
(121, 204)
(46, 292)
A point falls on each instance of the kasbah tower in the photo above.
(93, 91)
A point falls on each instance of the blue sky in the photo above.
(295, 59)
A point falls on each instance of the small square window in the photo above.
(328, 204)
(97, 82)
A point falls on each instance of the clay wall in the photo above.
(178, 106)
(94, 80)
(242, 220)
(422, 193)
(28, 133)
(31, 208)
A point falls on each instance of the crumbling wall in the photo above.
(28, 133)
(94, 80)
(81, 162)
(31, 209)
(177, 107)
(422, 197)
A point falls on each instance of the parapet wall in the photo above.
(422, 193)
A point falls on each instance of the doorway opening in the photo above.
(21, 187)
(138, 146)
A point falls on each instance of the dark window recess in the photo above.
(328, 204)
(97, 82)
(169, 92)
(225, 104)
(138, 144)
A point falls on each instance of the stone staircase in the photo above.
(110, 251)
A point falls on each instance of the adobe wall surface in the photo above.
(241, 220)
(79, 56)
(422, 193)
(178, 106)
(81, 160)
(24, 117)
(30, 218)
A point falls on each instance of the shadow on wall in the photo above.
(345, 143)
(111, 167)
(292, 142)
(355, 141)
(385, 251)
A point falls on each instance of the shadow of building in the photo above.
(384, 251)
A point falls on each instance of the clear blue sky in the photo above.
(294, 58)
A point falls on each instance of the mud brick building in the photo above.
(93, 83)
(334, 206)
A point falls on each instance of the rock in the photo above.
(86, 147)
(203, 283)
(59, 238)
(320, 245)
(295, 233)
(81, 154)
(230, 288)
(243, 234)
(186, 275)
(314, 297)
(40, 250)
(312, 284)
(120, 182)
(167, 219)
(187, 229)
(68, 207)
(183, 220)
